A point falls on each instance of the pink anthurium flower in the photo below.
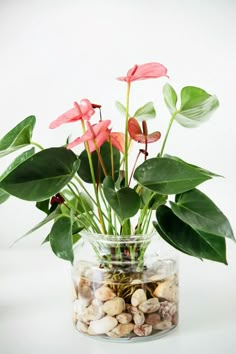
(144, 71)
(95, 136)
(140, 136)
(84, 111)
(118, 141)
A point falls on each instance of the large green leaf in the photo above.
(84, 170)
(196, 106)
(3, 196)
(168, 176)
(18, 137)
(145, 112)
(170, 97)
(19, 160)
(184, 238)
(42, 175)
(198, 211)
(125, 202)
(203, 170)
(61, 238)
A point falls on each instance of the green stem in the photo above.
(85, 190)
(88, 215)
(126, 136)
(143, 215)
(94, 183)
(167, 132)
(112, 159)
(37, 145)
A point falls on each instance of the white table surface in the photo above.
(35, 309)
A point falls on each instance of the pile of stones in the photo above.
(99, 311)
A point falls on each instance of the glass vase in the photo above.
(125, 288)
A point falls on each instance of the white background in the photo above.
(55, 52)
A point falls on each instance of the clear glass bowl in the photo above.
(125, 288)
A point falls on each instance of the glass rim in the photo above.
(121, 239)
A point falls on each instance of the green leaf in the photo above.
(170, 97)
(125, 202)
(84, 170)
(19, 160)
(168, 176)
(184, 238)
(42, 175)
(203, 170)
(196, 106)
(3, 196)
(61, 238)
(43, 206)
(18, 137)
(121, 108)
(145, 112)
(198, 211)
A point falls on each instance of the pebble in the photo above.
(153, 318)
(82, 327)
(104, 325)
(175, 319)
(138, 297)
(167, 290)
(150, 305)
(121, 330)
(143, 330)
(97, 302)
(139, 318)
(114, 307)
(85, 292)
(163, 325)
(124, 317)
(104, 293)
(92, 313)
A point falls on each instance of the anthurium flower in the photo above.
(144, 71)
(118, 141)
(98, 133)
(84, 111)
(140, 136)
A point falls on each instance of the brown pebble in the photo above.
(175, 319)
(153, 318)
(143, 331)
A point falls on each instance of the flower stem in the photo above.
(100, 158)
(37, 145)
(94, 183)
(126, 136)
(135, 163)
(112, 159)
(167, 132)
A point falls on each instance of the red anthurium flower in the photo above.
(84, 110)
(118, 141)
(98, 133)
(144, 71)
(140, 136)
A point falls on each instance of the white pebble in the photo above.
(138, 297)
(104, 325)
